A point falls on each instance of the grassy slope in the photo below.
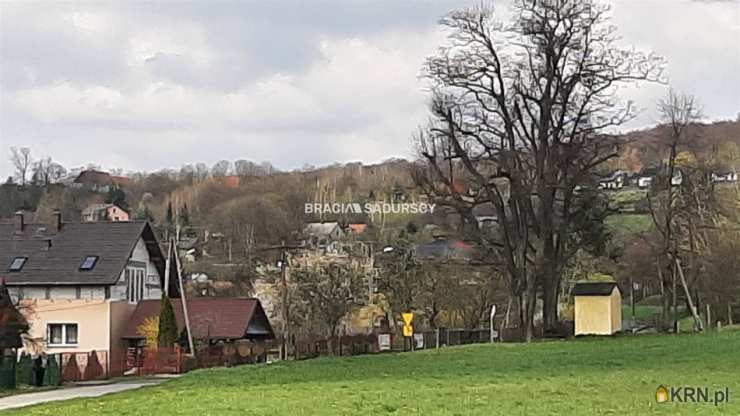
(622, 225)
(583, 377)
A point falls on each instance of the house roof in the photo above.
(441, 249)
(358, 228)
(228, 181)
(94, 177)
(215, 318)
(594, 288)
(613, 176)
(649, 171)
(320, 228)
(54, 257)
(100, 207)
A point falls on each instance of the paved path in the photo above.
(28, 399)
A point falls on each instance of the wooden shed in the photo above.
(598, 308)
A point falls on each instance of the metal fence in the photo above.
(347, 345)
(7, 371)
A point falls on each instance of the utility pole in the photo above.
(285, 310)
(284, 298)
(183, 300)
(167, 269)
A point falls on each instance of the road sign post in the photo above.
(408, 329)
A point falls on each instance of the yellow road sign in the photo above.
(407, 317)
(408, 330)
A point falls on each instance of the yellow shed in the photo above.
(598, 308)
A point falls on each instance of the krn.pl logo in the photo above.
(661, 394)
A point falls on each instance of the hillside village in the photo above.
(233, 226)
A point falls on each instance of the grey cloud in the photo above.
(335, 107)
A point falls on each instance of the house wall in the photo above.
(593, 315)
(91, 317)
(120, 313)
(153, 284)
(615, 309)
(57, 292)
(117, 214)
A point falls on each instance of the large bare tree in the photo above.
(22, 161)
(520, 110)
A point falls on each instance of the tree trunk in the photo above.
(529, 301)
(550, 297)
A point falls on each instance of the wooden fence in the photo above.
(174, 360)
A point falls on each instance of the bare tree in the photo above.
(329, 291)
(22, 161)
(246, 168)
(519, 114)
(46, 171)
(201, 171)
(678, 112)
(221, 168)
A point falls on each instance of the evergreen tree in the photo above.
(117, 197)
(167, 335)
(12, 323)
(148, 214)
(170, 216)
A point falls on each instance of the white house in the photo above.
(80, 282)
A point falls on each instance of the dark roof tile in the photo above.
(54, 257)
(215, 318)
(594, 288)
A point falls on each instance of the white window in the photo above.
(135, 284)
(61, 334)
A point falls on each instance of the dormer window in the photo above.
(17, 264)
(88, 263)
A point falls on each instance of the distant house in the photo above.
(104, 212)
(677, 178)
(227, 181)
(94, 180)
(443, 249)
(616, 180)
(189, 248)
(321, 234)
(121, 180)
(356, 229)
(645, 178)
(724, 175)
(211, 319)
(598, 308)
(81, 281)
(486, 222)
(398, 194)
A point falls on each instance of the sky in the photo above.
(145, 85)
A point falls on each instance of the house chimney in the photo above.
(57, 220)
(19, 221)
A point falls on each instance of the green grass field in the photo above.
(590, 376)
(624, 225)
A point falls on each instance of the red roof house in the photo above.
(210, 318)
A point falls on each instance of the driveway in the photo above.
(29, 399)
